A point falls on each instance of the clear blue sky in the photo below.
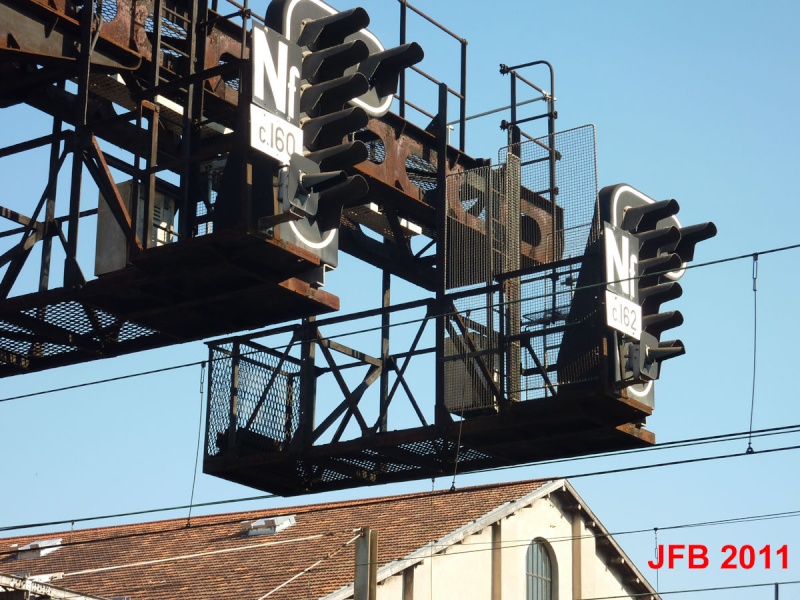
(696, 101)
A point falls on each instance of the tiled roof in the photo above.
(214, 559)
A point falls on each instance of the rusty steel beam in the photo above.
(500, 442)
(98, 167)
(43, 32)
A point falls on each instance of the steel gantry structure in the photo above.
(212, 218)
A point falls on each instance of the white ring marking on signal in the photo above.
(375, 111)
(315, 245)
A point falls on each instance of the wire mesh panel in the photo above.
(546, 220)
(256, 389)
(546, 313)
(483, 224)
(511, 218)
(44, 334)
(218, 414)
(472, 200)
(526, 223)
(472, 356)
(561, 168)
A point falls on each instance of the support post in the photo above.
(514, 136)
(73, 278)
(50, 209)
(386, 297)
(577, 560)
(462, 133)
(510, 217)
(408, 583)
(441, 414)
(497, 561)
(188, 201)
(403, 30)
(365, 583)
(551, 145)
(233, 415)
(308, 384)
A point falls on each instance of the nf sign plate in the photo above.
(623, 311)
(275, 111)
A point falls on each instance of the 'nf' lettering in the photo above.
(621, 263)
(281, 78)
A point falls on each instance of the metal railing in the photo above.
(461, 95)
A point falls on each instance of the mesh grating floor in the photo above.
(61, 333)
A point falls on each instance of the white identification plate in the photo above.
(623, 315)
(274, 136)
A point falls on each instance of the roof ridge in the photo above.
(233, 517)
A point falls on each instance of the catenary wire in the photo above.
(597, 473)
(136, 513)
(218, 551)
(790, 514)
(685, 461)
(330, 554)
(700, 441)
(697, 590)
(156, 532)
(101, 381)
(361, 331)
(512, 544)
(508, 544)
(783, 430)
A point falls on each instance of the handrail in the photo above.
(462, 95)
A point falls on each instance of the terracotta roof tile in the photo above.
(214, 559)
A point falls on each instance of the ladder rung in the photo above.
(183, 18)
(174, 49)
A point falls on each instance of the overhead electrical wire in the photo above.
(136, 513)
(506, 545)
(139, 534)
(349, 333)
(700, 441)
(509, 544)
(696, 590)
(789, 514)
(685, 461)
(783, 430)
(166, 559)
(76, 386)
(330, 554)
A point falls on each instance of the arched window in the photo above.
(539, 572)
